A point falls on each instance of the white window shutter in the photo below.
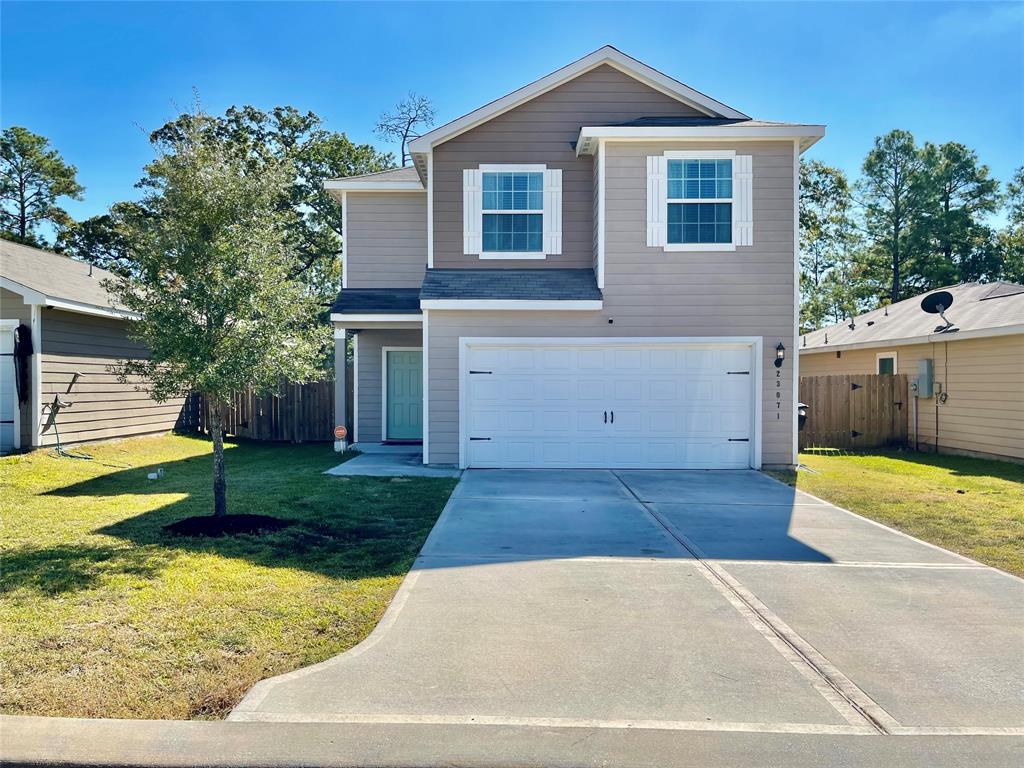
(472, 211)
(657, 197)
(743, 200)
(553, 211)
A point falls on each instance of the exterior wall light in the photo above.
(780, 355)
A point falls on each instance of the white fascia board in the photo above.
(807, 135)
(511, 304)
(344, 185)
(606, 55)
(369, 317)
(32, 296)
(980, 333)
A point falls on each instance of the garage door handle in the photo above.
(613, 417)
(606, 417)
(737, 373)
(739, 439)
(479, 438)
(481, 371)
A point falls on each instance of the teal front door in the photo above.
(404, 408)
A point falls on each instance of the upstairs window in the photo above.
(513, 212)
(707, 221)
(700, 200)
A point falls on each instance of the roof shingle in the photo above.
(511, 284)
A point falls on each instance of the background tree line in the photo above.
(917, 218)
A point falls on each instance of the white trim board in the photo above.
(384, 386)
(426, 387)
(344, 240)
(513, 304)
(369, 317)
(807, 135)
(345, 185)
(355, 387)
(879, 356)
(754, 343)
(32, 296)
(605, 55)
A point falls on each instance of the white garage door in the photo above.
(608, 405)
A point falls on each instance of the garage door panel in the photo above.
(674, 406)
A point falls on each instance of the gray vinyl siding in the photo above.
(542, 131)
(13, 307)
(371, 379)
(386, 242)
(650, 293)
(102, 407)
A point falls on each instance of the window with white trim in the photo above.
(885, 363)
(699, 200)
(710, 219)
(512, 211)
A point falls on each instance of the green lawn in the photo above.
(971, 506)
(104, 614)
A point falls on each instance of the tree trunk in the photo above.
(220, 490)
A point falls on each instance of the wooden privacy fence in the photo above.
(298, 413)
(850, 412)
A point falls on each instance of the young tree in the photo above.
(957, 241)
(894, 192)
(314, 154)
(33, 176)
(215, 281)
(406, 122)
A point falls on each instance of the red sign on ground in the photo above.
(340, 433)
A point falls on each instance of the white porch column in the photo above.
(37, 375)
(340, 384)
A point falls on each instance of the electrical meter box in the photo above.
(925, 377)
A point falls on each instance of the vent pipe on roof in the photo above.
(90, 270)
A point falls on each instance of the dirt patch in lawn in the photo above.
(226, 525)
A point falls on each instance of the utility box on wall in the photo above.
(925, 378)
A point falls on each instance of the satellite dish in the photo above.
(936, 304)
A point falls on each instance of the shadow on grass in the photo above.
(345, 528)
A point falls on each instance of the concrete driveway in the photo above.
(674, 601)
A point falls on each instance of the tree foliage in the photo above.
(33, 176)
(917, 219)
(216, 278)
(285, 137)
(406, 122)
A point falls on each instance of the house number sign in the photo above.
(778, 394)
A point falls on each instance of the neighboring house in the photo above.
(595, 270)
(977, 401)
(73, 327)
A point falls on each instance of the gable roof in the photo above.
(979, 309)
(47, 278)
(606, 55)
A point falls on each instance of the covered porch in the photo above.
(378, 354)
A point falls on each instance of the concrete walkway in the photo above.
(674, 602)
(379, 460)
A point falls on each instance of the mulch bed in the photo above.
(227, 525)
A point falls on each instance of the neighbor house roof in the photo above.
(395, 179)
(377, 301)
(978, 309)
(603, 56)
(47, 278)
(511, 284)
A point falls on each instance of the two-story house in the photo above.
(597, 270)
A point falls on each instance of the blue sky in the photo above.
(95, 77)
